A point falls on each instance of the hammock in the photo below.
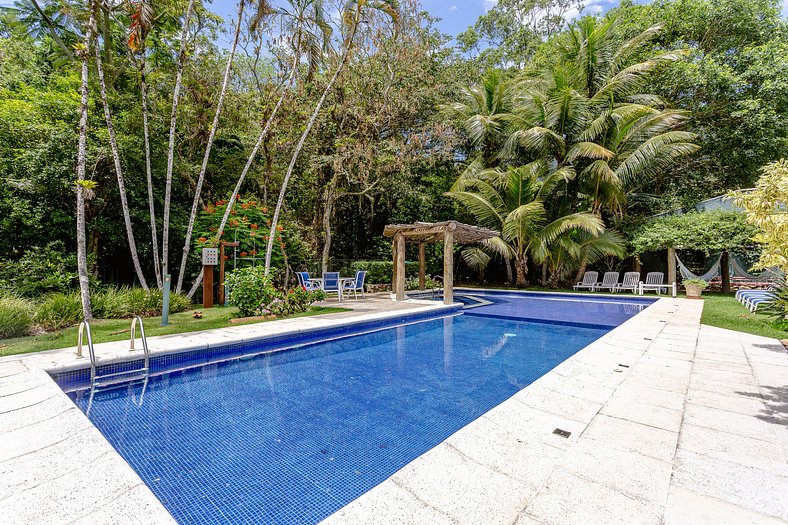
(711, 273)
(769, 274)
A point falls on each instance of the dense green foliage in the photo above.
(640, 110)
(253, 293)
(61, 309)
(16, 316)
(708, 232)
(381, 272)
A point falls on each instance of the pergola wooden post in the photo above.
(447, 232)
(671, 265)
(399, 266)
(448, 266)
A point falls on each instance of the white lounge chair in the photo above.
(609, 282)
(588, 282)
(630, 282)
(655, 281)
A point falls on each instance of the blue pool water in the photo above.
(292, 436)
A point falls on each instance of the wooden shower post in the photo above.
(422, 263)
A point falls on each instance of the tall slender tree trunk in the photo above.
(328, 210)
(297, 152)
(82, 259)
(581, 271)
(148, 172)
(165, 234)
(211, 135)
(507, 262)
(119, 171)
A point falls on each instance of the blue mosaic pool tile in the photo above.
(289, 437)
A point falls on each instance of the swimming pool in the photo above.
(292, 436)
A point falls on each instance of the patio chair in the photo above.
(630, 282)
(609, 282)
(655, 281)
(356, 285)
(331, 284)
(589, 281)
(305, 283)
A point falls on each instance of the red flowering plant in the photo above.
(249, 223)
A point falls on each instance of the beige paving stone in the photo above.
(685, 507)
(26, 398)
(741, 424)
(757, 453)
(747, 487)
(523, 459)
(571, 387)
(34, 437)
(388, 504)
(742, 403)
(569, 499)
(628, 472)
(479, 495)
(649, 396)
(138, 506)
(533, 424)
(621, 434)
(651, 415)
(557, 403)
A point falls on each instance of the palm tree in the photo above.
(576, 247)
(586, 110)
(263, 9)
(351, 18)
(512, 202)
(84, 186)
(483, 112)
(118, 170)
(165, 234)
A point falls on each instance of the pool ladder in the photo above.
(115, 378)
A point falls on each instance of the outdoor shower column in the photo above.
(422, 261)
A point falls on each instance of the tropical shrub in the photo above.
(41, 270)
(59, 310)
(778, 307)
(767, 209)
(412, 283)
(16, 316)
(249, 289)
(699, 283)
(295, 301)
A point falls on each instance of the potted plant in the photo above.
(695, 287)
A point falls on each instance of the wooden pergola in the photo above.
(448, 233)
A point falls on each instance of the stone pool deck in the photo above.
(671, 422)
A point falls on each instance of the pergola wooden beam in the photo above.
(448, 233)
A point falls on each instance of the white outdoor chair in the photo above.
(588, 282)
(609, 282)
(655, 281)
(630, 282)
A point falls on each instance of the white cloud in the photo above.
(454, 8)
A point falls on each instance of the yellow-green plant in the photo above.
(767, 209)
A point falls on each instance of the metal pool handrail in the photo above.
(142, 336)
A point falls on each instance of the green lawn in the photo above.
(724, 311)
(105, 330)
